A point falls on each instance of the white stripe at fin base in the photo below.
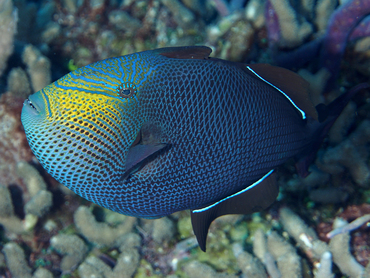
(235, 194)
(290, 100)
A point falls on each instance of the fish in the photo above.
(160, 131)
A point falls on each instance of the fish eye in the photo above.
(126, 90)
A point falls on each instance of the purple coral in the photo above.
(341, 25)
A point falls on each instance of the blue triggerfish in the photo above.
(155, 132)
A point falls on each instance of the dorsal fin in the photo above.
(256, 197)
(185, 52)
(293, 85)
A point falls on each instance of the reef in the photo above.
(319, 226)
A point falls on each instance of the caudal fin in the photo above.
(327, 115)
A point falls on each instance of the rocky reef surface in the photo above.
(318, 227)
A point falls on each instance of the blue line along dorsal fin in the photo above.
(185, 52)
(256, 197)
(294, 86)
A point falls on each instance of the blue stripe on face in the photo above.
(47, 102)
(291, 101)
(237, 193)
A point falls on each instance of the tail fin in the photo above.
(327, 115)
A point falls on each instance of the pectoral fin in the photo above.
(256, 197)
(138, 154)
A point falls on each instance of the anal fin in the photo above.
(256, 197)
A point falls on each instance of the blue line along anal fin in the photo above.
(254, 198)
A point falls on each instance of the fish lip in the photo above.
(31, 104)
(34, 103)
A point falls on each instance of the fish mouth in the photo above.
(35, 103)
(30, 104)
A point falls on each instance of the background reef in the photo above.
(317, 228)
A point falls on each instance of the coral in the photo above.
(18, 83)
(39, 204)
(35, 183)
(349, 227)
(93, 267)
(197, 269)
(13, 143)
(125, 265)
(163, 229)
(347, 155)
(341, 24)
(184, 227)
(8, 219)
(182, 15)
(254, 12)
(339, 247)
(287, 259)
(324, 9)
(15, 260)
(341, 126)
(51, 32)
(293, 30)
(8, 25)
(17, 264)
(38, 67)
(72, 247)
(305, 237)
(40, 199)
(261, 251)
(6, 205)
(324, 270)
(249, 265)
(100, 233)
(240, 38)
(123, 21)
(42, 273)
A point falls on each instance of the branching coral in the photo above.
(38, 67)
(39, 201)
(304, 236)
(350, 154)
(13, 143)
(125, 265)
(18, 83)
(339, 247)
(340, 26)
(100, 233)
(8, 27)
(293, 30)
(17, 264)
(72, 247)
